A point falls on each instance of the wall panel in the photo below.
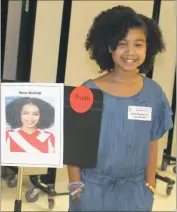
(12, 39)
(164, 67)
(46, 41)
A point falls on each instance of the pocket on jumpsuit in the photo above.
(143, 198)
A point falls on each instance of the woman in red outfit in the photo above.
(29, 119)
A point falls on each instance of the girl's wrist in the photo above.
(151, 188)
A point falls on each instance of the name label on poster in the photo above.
(30, 92)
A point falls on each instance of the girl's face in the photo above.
(30, 115)
(131, 51)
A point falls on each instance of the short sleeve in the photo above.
(163, 119)
(89, 84)
(86, 83)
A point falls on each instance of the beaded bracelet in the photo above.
(75, 185)
(151, 188)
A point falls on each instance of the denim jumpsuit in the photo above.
(118, 181)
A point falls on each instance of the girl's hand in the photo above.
(75, 193)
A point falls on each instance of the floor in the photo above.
(162, 201)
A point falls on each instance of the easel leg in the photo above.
(18, 201)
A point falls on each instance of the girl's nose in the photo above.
(131, 51)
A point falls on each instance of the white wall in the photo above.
(46, 41)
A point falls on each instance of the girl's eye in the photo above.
(138, 45)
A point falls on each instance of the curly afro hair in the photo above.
(13, 111)
(111, 26)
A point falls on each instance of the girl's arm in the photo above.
(74, 174)
(152, 163)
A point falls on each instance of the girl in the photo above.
(29, 118)
(135, 115)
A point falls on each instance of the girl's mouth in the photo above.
(30, 122)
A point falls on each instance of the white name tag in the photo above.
(139, 113)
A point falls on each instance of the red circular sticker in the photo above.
(81, 99)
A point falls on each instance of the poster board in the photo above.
(82, 127)
(32, 124)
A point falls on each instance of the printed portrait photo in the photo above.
(29, 123)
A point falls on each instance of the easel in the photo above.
(18, 201)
